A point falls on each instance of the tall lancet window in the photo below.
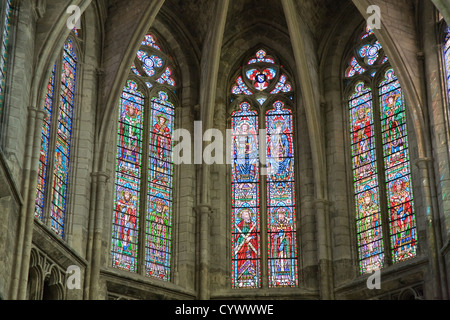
(143, 200)
(56, 140)
(263, 213)
(6, 13)
(385, 219)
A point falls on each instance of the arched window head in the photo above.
(143, 197)
(385, 219)
(263, 168)
(56, 141)
(262, 78)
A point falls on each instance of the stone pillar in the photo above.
(98, 218)
(209, 69)
(437, 118)
(324, 250)
(203, 215)
(424, 165)
(36, 119)
(305, 56)
(90, 239)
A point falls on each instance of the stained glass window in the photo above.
(263, 78)
(56, 137)
(144, 166)
(379, 167)
(5, 30)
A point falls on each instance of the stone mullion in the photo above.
(145, 175)
(382, 190)
(264, 209)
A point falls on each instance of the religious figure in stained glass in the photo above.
(59, 188)
(125, 222)
(369, 230)
(161, 143)
(281, 247)
(279, 152)
(362, 139)
(392, 110)
(246, 152)
(246, 249)
(158, 249)
(402, 218)
(130, 131)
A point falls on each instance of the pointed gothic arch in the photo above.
(52, 194)
(385, 217)
(144, 180)
(261, 98)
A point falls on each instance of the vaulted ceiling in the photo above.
(195, 16)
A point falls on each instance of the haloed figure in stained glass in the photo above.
(279, 150)
(158, 250)
(246, 151)
(67, 79)
(161, 144)
(130, 132)
(362, 134)
(394, 117)
(246, 249)
(59, 190)
(402, 218)
(126, 222)
(370, 224)
(281, 247)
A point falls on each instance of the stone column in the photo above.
(324, 250)
(437, 118)
(36, 119)
(203, 215)
(97, 252)
(90, 240)
(209, 69)
(305, 56)
(424, 165)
